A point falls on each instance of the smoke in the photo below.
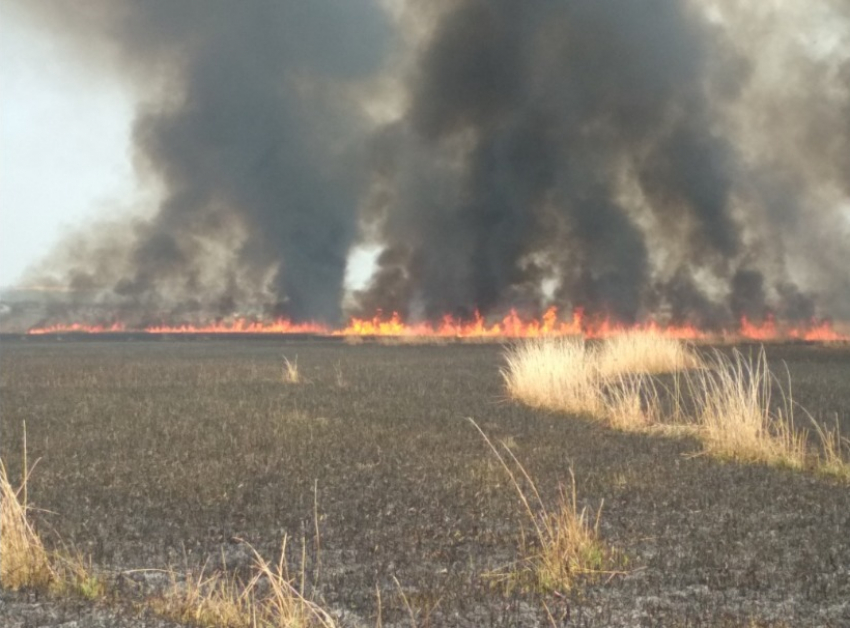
(250, 121)
(635, 158)
(614, 147)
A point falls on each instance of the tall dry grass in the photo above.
(24, 562)
(743, 412)
(291, 374)
(734, 403)
(270, 598)
(644, 352)
(610, 379)
(553, 373)
(565, 539)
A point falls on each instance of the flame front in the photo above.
(513, 325)
(241, 326)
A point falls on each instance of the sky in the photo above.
(65, 151)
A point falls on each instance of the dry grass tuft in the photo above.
(834, 456)
(735, 404)
(269, 599)
(631, 401)
(76, 576)
(554, 373)
(736, 416)
(644, 352)
(24, 563)
(610, 380)
(565, 543)
(291, 374)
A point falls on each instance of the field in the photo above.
(182, 454)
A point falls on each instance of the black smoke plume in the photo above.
(668, 158)
(595, 143)
(248, 122)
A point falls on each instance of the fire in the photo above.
(77, 328)
(822, 332)
(766, 330)
(513, 325)
(241, 326)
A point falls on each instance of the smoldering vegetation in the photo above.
(682, 160)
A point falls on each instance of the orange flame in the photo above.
(77, 328)
(766, 330)
(821, 332)
(511, 326)
(241, 326)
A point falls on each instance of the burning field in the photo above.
(446, 313)
(462, 167)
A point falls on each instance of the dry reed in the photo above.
(566, 543)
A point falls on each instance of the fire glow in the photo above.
(511, 326)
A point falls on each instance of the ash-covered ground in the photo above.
(157, 454)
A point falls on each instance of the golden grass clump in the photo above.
(735, 413)
(610, 380)
(269, 599)
(643, 352)
(24, 562)
(631, 401)
(735, 404)
(833, 459)
(291, 374)
(565, 544)
(554, 373)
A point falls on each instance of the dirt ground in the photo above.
(174, 453)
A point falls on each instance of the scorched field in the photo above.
(409, 485)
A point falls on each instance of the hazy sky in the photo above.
(64, 144)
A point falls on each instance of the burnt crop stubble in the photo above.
(168, 454)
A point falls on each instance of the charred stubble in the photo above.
(156, 454)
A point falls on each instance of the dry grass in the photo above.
(834, 459)
(609, 380)
(565, 543)
(554, 373)
(24, 562)
(291, 374)
(631, 401)
(75, 575)
(736, 405)
(269, 599)
(736, 415)
(643, 352)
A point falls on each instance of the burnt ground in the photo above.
(165, 454)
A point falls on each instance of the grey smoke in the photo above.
(644, 157)
(249, 127)
(594, 140)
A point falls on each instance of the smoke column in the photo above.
(644, 156)
(635, 158)
(249, 124)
